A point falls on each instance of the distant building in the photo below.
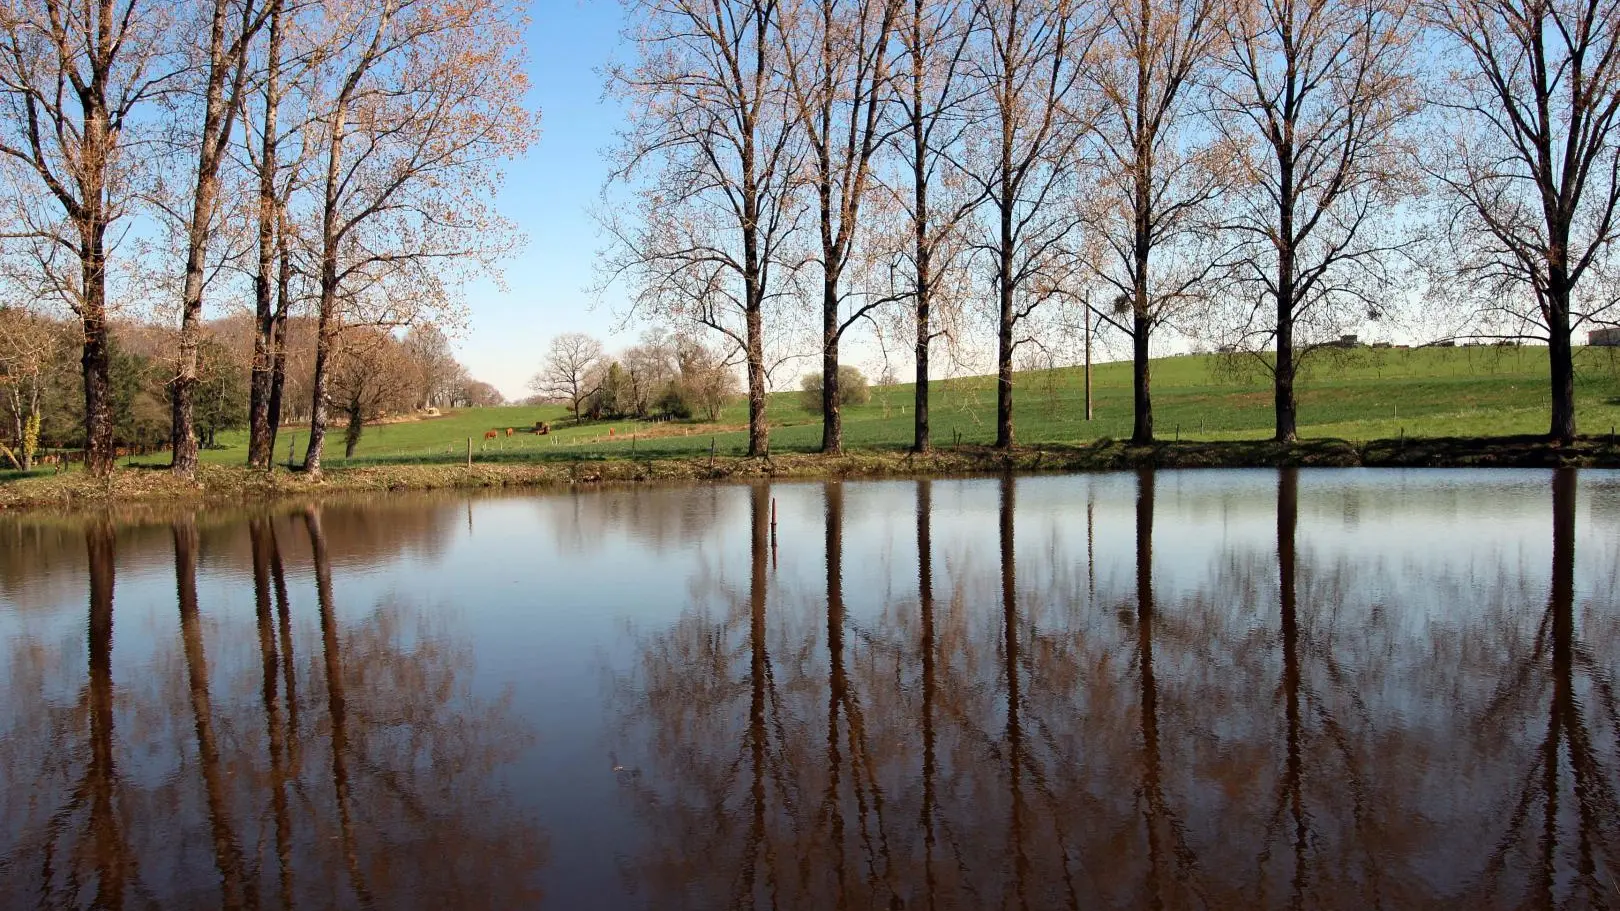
(1607, 338)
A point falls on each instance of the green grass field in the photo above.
(1357, 395)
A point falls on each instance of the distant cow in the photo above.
(491, 434)
(508, 431)
(542, 428)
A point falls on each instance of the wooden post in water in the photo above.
(469, 452)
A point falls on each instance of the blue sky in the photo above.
(549, 194)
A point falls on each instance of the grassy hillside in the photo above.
(1359, 395)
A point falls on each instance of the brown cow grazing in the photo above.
(508, 431)
(491, 434)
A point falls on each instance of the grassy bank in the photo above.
(217, 483)
(1364, 394)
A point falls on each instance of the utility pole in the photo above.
(1088, 356)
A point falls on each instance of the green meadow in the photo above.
(1357, 395)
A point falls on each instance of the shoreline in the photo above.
(230, 484)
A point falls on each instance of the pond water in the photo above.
(1229, 689)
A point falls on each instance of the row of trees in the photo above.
(1261, 174)
(334, 157)
(373, 374)
(659, 377)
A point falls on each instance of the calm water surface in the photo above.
(1228, 689)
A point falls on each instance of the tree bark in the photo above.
(1561, 367)
(1141, 380)
(758, 431)
(261, 434)
(1004, 324)
(318, 397)
(278, 365)
(325, 327)
(219, 113)
(97, 358)
(832, 420)
(1283, 376)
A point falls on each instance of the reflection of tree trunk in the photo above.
(289, 673)
(336, 705)
(1560, 608)
(1015, 734)
(1590, 784)
(834, 496)
(759, 668)
(1152, 794)
(1287, 520)
(262, 535)
(227, 853)
(111, 853)
(1568, 737)
(925, 602)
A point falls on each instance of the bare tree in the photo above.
(932, 96)
(1156, 176)
(28, 345)
(1532, 165)
(838, 72)
(435, 365)
(1318, 92)
(417, 103)
(566, 373)
(272, 277)
(713, 153)
(374, 375)
(75, 79)
(232, 25)
(1027, 62)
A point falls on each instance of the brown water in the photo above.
(1229, 689)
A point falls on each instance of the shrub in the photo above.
(853, 388)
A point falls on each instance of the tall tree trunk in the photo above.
(261, 418)
(97, 358)
(923, 249)
(921, 440)
(319, 404)
(278, 364)
(832, 420)
(219, 113)
(758, 431)
(1141, 381)
(330, 240)
(1287, 293)
(1004, 333)
(1561, 366)
(1283, 375)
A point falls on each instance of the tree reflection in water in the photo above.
(1274, 736)
(380, 749)
(1570, 856)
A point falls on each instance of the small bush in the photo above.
(853, 388)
